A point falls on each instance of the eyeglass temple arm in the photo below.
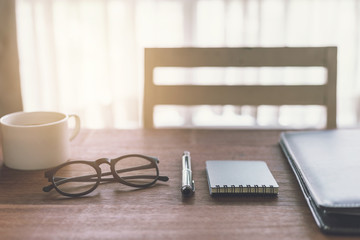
(87, 178)
(90, 178)
(65, 180)
(59, 181)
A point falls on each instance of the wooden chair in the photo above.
(240, 94)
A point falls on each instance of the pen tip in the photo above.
(186, 190)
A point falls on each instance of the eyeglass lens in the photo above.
(75, 178)
(136, 170)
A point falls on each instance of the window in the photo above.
(86, 57)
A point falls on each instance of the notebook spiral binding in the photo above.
(248, 189)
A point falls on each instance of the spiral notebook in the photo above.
(240, 177)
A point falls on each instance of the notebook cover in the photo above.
(327, 166)
(252, 177)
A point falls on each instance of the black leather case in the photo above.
(327, 166)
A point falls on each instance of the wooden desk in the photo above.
(160, 212)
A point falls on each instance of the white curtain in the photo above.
(10, 92)
(86, 56)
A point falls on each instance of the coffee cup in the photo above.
(36, 140)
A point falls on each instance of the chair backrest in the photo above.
(324, 94)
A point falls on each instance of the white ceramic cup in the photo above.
(36, 140)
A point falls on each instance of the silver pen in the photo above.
(188, 184)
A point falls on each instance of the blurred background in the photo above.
(86, 56)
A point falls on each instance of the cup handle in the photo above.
(77, 126)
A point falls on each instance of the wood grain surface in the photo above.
(114, 211)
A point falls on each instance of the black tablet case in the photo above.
(327, 166)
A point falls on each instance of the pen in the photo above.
(188, 184)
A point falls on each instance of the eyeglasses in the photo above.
(78, 178)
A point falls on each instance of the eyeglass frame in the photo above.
(49, 174)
